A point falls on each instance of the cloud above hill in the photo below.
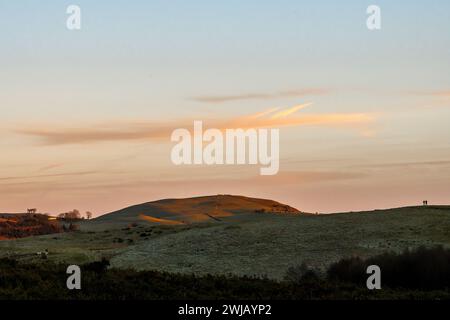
(161, 130)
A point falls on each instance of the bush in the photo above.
(98, 267)
(71, 215)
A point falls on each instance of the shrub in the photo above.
(97, 266)
(71, 215)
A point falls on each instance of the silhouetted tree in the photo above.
(71, 215)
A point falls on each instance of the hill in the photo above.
(198, 209)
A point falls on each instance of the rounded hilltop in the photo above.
(196, 209)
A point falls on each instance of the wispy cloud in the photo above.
(230, 181)
(286, 112)
(50, 167)
(263, 113)
(263, 96)
(147, 130)
(299, 177)
(80, 173)
(287, 117)
(395, 165)
(119, 131)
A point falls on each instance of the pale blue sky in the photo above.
(164, 52)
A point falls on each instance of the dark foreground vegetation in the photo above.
(423, 269)
(420, 274)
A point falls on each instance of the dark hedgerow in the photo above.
(419, 269)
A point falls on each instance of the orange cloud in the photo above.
(263, 113)
(285, 118)
(129, 131)
(285, 113)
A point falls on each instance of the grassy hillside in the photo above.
(244, 243)
(269, 244)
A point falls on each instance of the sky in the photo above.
(87, 114)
